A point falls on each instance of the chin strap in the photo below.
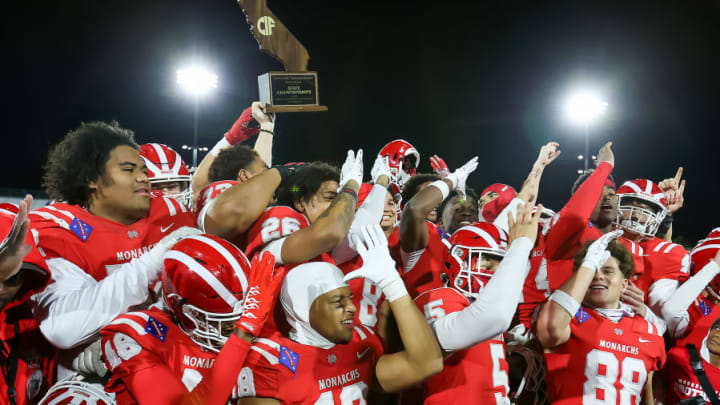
(697, 367)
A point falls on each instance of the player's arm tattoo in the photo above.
(347, 213)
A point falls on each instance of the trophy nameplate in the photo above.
(295, 89)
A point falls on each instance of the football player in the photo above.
(403, 160)
(420, 248)
(680, 375)
(596, 348)
(696, 303)
(470, 315)
(26, 358)
(193, 351)
(326, 359)
(168, 174)
(104, 243)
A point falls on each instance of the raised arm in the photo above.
(553, 324)
(238, 133)
(413, 231)
(422, 357)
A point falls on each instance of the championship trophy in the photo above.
(295, 89)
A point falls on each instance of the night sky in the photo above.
(454, 79)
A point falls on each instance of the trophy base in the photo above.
(295, 108)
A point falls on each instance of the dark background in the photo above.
(454, 79)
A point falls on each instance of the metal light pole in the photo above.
(583, 108)
(197, 82)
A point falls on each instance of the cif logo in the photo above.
(265, 25)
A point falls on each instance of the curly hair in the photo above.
(412, 186)
(80, 158)
(469, 192)
(304, 183)
(617, 250)
(229, 162)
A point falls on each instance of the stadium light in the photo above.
(197, 82)
(583, 107)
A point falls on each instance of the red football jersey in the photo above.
(680, 380)
(143, 340)
(98, 245)
(20, 336)
(703, 313)
(536, 288)
(477, 375)
(294, 373)
(367, 296)
(275, 222)
(426, 271)
(211, 192)
(662, 260)
(604, 361)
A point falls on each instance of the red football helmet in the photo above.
(702, 253)
(75, 391)
(403, 160)
(502, 195)
(639, 220)
(166, 166)
(204, 278)
(470, 246)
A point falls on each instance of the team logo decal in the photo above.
(289, 358)
(582, 316)
(705, 308)
(81, 229)
(156, 328)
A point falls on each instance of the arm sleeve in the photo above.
(563, 238)
(492, 312)
(675, 308)
(502, 219)
(652, 317)
(369, 213)
(74, 307)
(144, 373)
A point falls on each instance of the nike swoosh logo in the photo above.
(164, 229)
(643, 340)
(361, 354)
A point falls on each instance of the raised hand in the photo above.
(597, 254)
(381, 168)
(13, 247)
(548, 153)
(634, 297)
(352, 169)
(378, 266)
(242, 129)
(674, 188)
(526, 224)
(266, 120)
(439, 166)
(605, 154)
(460, 175)
(263, 286)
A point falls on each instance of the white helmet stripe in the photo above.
(227, 255)
(633, 186)
(161, 153)
(648, 187)
(151, 166)
(701, 248)
(486, 236)
(201, 271)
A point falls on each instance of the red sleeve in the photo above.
(672, 262)
(439, 302)
(142, 373)
(211, 191)
(564, 237)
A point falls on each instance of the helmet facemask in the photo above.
(471, 277)
(636, 219)
(211, 330)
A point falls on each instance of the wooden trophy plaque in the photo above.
(296, 89)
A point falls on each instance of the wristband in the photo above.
(566, 301)
(442, 186)
(349, 191)
(395, 289)
(268, 131)
(220, 146)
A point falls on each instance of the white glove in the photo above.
(266, 120)
(597, 253)
(352, 169)
(89, 362)
(460, 175)
(380, 168)
(378, 266)
(157, 252)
